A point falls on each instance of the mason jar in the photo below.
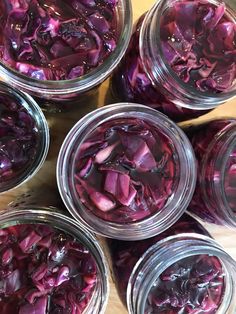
(214, 144)
(178, 60)
(50, 264)
(24, 137)
(182, 269)
(126, 171)
(65, 50)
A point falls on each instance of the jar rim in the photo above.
(81, 84)
(196, 99)
(149, 226)
(58, 220)
(158, 258)
(227, 140)
(36, 113)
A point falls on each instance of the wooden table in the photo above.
(61, 123)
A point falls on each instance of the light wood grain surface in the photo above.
(61, 123)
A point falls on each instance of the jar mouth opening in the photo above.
(55, 218)
(209, 99)
(28, 103)
(157, 259)
(171, 211)
(83, 83)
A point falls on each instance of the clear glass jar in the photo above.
(126, 171)
(67, 238)
(214, 144)
(180, 270)
(24, 137)
(67, 89)
(146, 75)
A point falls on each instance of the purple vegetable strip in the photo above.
(125, 170)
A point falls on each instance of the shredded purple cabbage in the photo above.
(125, 254)
(192, 285)
(126, 170)
(55, 39)
(202, 138)
(18, 139)
(198, 42)
(43, 270)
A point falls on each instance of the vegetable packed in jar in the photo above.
(174, 272)
(24, 137)
(125, 167)
(57, 50)
(45, 269)
(55, 40)
(214, 144)
(181, 58)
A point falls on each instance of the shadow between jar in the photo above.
(58, 220)
(141, 229)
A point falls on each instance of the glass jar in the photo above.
(126, 171)
(39, 80)
(180, 270)
(24, 137)
(214, 144)
(160, 68)
(59, 264)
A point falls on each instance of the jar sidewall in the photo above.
(58, 220)
(43, 136)
(148, 226)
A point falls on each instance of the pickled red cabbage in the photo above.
(43, 270)
(198, 41)
(125, 254)
(192, 285)
(207, 141)
(57, 40)
(18, 139)
(125, 170)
